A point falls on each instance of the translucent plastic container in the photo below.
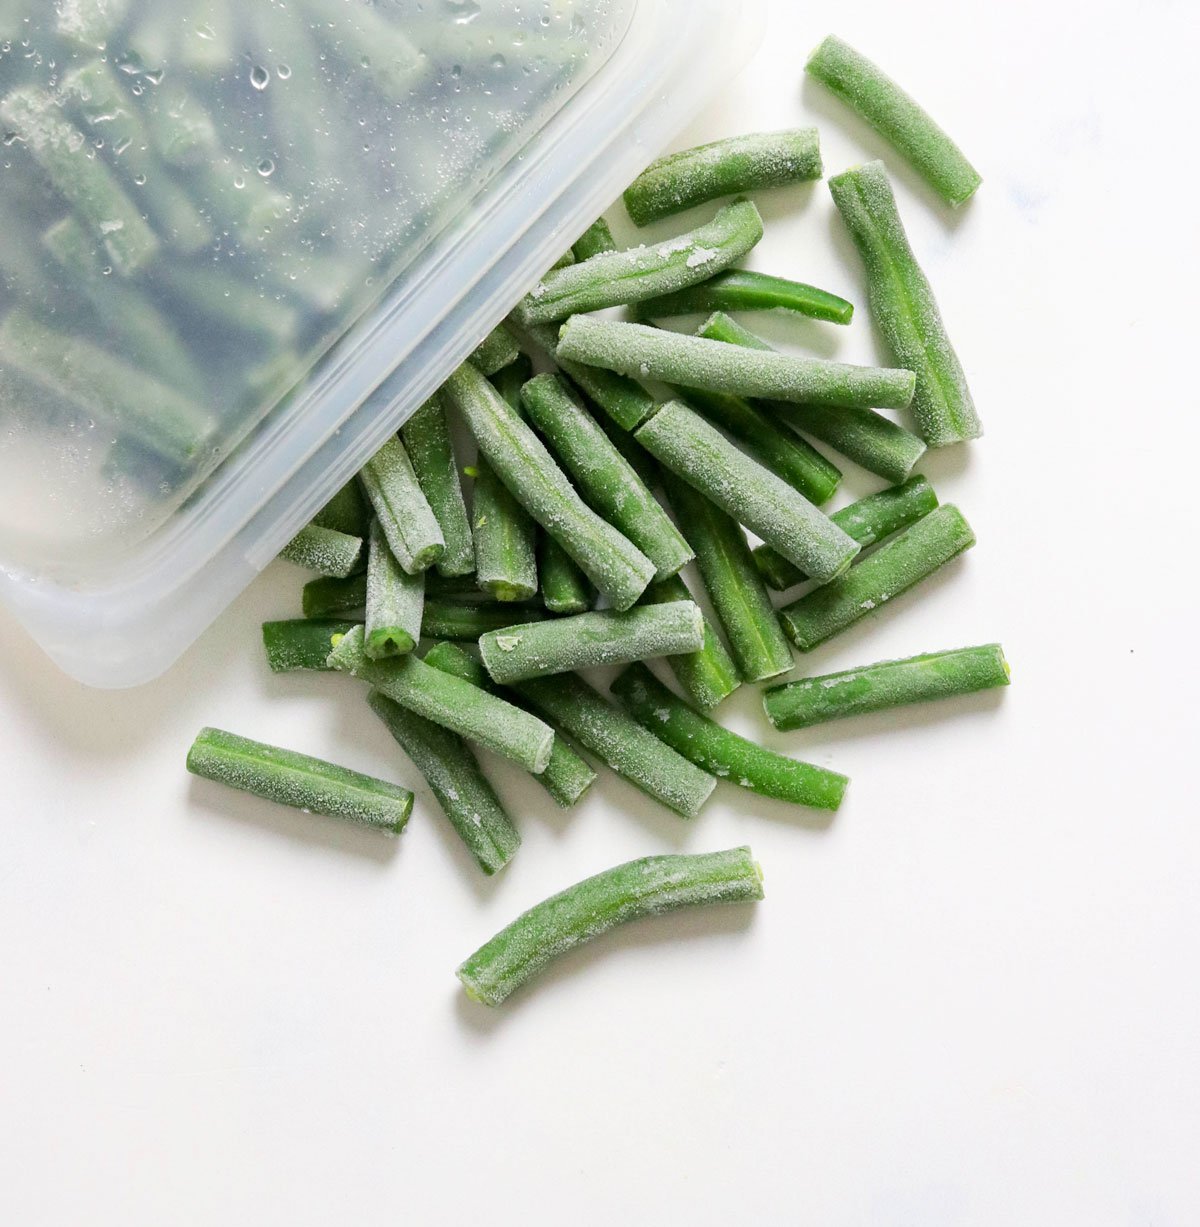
(244, 239)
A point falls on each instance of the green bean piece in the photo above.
(301, 643)
(594, 241)
(370, 41)
(894, 115)
(739, 599)
(723, 168)
(505, 540)
(324, 550)
(888, 684)
(160, 418)
(615, 278)
(894, 568)
(324, 597)
(738, 289)
(564, 261)
(296, 780)
(608, 482)
(87, 184)
(455, 778)
(89, 23)
(395, 601)
(464, 623)
(614, 564)
(347, 512)
(869, 520)
(109, 111)
(786, 454)
(449, 701)
(590, 640)
(903, 306)
(619, 742)
(709, 676)
(426, 438)
(862, 435)
(567, 777)
(215, 293)
(408, 521)
(647, 887)
(695, 362)
(689, 447)
(720, 752)
(496, 351)
(565, 588)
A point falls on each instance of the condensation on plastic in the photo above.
(413, 218)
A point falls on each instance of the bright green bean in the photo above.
(321, 598)
(891, 683)
(565, 588)
(720, 752)
(594, 241)
(739, 289)
(324, 550)
(708, 676)
(395, 601)
(893, 114)
(465, 622)
(895, 567)
(408, 521)
(695, 362)
(903, 306)
(646, 887)
(296, 780)
(723, 168)
(301, 643)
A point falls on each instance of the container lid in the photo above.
(242, 243)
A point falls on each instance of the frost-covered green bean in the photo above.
(324, 550)
(301, 643)
(869, 520)
(709, 676)
(723, 168)
(739, 289)
(449, 701)
(904, 307)
(496, 351)
(426, 438)
(695, 362)
(608, 482)
(646, 887)
(720, 752)
(897, 117)
(613, 563)
(590, 640)
(395, 601)
(613, 279)
(565, 588)
(619, 742)
(894, 568)
(455, 778)
(686, 444)
(298, 781)
(464, 621)
(408, 521)
(594, 241)
(888, 684)
(505, 539)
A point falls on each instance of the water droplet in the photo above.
(461, 12)
(140, 180)
(239, 183)
(11, 138)
(283, 72)
(156, 77)
(544, 19)
(206, 32)
(260, 77)
(456, 71)
(266, 168)
(497, 61)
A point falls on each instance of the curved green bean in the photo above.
(739, 289)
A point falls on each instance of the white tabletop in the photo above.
(971, 998)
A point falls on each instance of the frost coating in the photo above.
(646, 887)
(296, 780)
(395, 601)
(324, 550)
(408, 521)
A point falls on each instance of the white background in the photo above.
(971, 998)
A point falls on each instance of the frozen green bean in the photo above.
(696, 362)
(608, 482)
(894, 568)
(301, 643)
(214, 292)
(903, 306)
(880, 687)
(615, 278)
(647, 887)
(408, 521)
(892, 113)
(709, 676)
(565, 588)
(296, 780)
(395, 601)
(594, 241)
(464, 622)
(496, 351)
(869, 520)
(738, 597)
(321, 598)
(590, 640)
(616, 566)
(371, 41)
(455, 778)
(720, 752)
(619, 742)
(505, 540)
(347, 512)
(324, 550)
(723, 168)
(739, 289)
(449, 701)
(685, 443)
(426, 438)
